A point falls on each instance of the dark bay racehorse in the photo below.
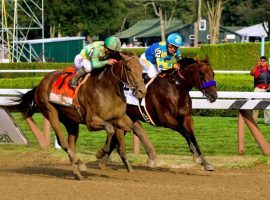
(169, 104)
(102, 104)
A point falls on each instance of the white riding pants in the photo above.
(148, 67)
(80, 62)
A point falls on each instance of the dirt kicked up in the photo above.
(46, 175)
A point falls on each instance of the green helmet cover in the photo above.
(113, 43)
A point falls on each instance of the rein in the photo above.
(202, 85)
(123, 69)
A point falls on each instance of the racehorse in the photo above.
(101, 99)
(169, 105)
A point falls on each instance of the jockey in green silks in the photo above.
(95, 55)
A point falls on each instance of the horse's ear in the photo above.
(197, 59)
(123, 56)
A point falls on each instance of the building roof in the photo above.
(253, 31)
(137, 28)
(232, 29)
(155, 32)
(46, 40)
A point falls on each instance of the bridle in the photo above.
(203, 86)
(124, 74)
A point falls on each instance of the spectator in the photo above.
(261, 74)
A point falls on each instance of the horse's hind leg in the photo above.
(51, 114)
(73, 133)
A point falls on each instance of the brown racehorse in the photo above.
(102, 104)
(169, 104)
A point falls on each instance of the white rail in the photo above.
(226, 100)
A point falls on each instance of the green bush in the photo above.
(186, 52)
(28, 66)
(230, 56)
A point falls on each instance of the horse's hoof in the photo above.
(101, 165)
(197, 160)
(209, 167)
(82, 167)
(151, 163)
(99, 154)
(77, 173)
(131, 170)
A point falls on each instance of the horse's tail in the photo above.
(25, 104)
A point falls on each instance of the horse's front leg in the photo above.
(119, 136)
(96, 123)
(148, 147)
(188, 130)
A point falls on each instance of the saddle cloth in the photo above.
(62, 93)
(132, 100)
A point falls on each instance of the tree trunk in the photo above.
(197, 24)
(214, 10)
(162, 25)
(52, 31)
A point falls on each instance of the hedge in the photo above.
(26, 66)
(230, 56)
(185, 52)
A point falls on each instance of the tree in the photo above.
(160, 9)
(214, 11)
(72, 17)
(253, 12)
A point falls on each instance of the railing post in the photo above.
(257, 134)
(241, 134)
(43, 138)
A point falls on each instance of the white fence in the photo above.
(242, 101)
(226, 100)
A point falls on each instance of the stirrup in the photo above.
(72, 83)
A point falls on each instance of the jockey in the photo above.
(95, 55)
(162, 55)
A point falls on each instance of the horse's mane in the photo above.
(186, 61)
(116, 56)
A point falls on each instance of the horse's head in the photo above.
(201, 75)
(131, 74)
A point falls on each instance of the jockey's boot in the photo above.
(73, 83)
(146, 78)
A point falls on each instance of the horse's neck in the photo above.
(110, 79)
(188, 77)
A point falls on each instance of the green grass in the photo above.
(217, 136)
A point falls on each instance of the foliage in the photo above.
(239, 56)
(185, 52)
(74, 17)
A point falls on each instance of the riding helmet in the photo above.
(113, 43)
(175, 39)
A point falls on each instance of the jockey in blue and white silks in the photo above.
(162, 55)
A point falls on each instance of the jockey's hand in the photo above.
(176, 66)
(112, 61)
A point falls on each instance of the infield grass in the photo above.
(217, 136)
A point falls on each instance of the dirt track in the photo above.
(43, 175)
